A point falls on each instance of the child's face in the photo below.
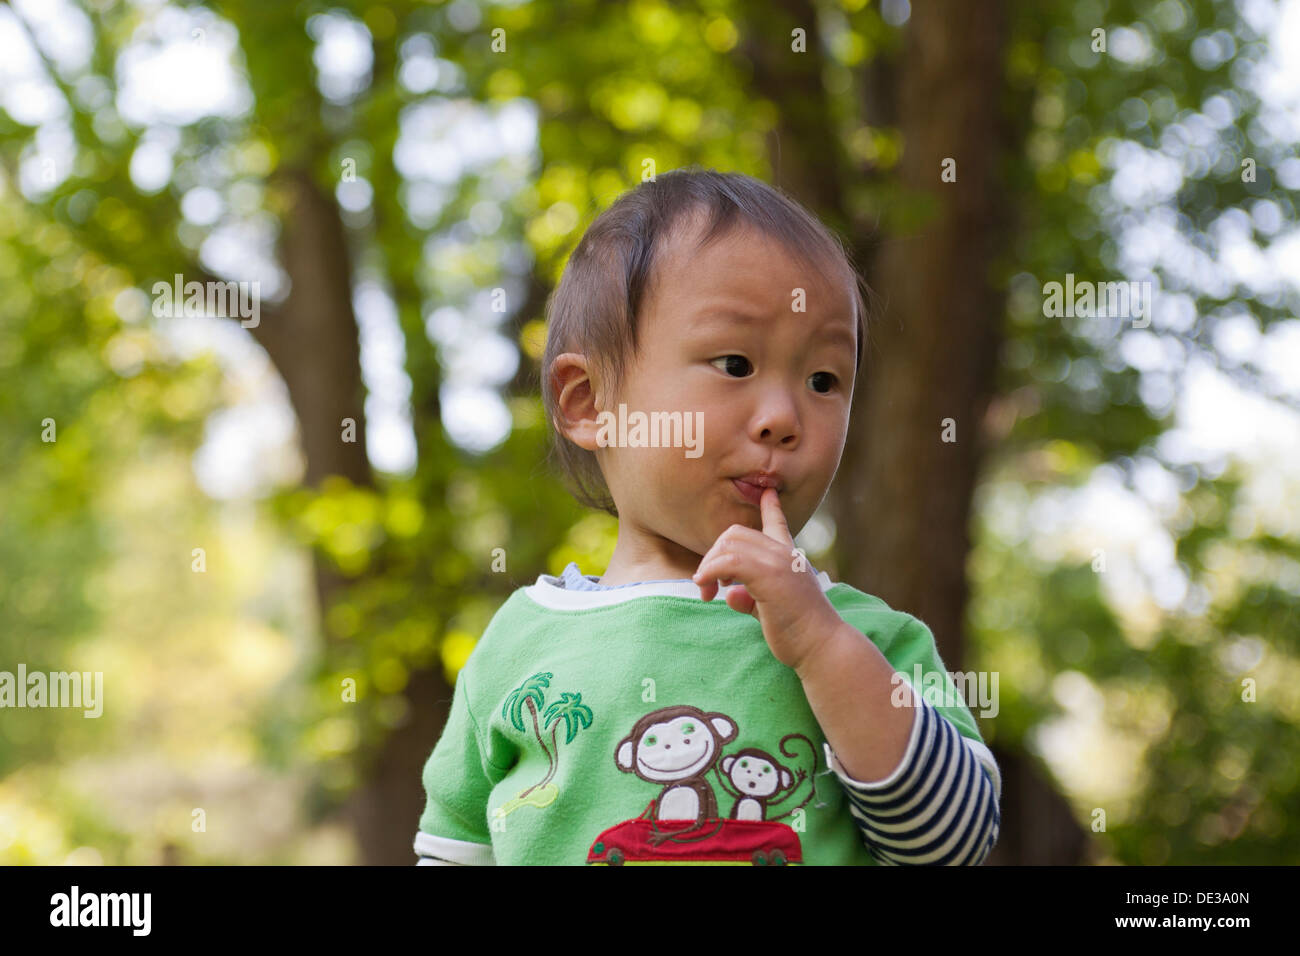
(781, 406)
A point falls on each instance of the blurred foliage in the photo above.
(1214, 779)
(220, 694)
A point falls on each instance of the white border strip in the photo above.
(452, 851)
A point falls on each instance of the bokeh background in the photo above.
(1115, 531)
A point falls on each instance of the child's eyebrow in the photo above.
(715, 317)
(837, 333)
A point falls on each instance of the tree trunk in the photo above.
(903, 494)
(929, 373)
(385, 810)
(1038, 825)
(313, 342)
(931, 361)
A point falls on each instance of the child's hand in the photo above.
(789, 603)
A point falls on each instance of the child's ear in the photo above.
(576, 410)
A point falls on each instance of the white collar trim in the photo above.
(548, 593)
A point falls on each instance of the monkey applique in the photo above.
(675, 747)
(757, 778)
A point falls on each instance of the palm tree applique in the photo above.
(569, 708)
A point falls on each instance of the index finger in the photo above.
(774, 524)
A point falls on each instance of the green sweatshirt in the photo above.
(642, 724)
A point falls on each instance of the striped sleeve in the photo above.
(940, 805)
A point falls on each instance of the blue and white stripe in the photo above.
(940, 805)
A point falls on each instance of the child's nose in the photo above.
(778, 419)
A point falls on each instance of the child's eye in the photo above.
(829, 384)
(731, 367)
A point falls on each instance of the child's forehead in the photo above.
(735, 263)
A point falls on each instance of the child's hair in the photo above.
(595, 308)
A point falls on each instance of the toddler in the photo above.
(712, 698)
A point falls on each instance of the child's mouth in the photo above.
(751, 493)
